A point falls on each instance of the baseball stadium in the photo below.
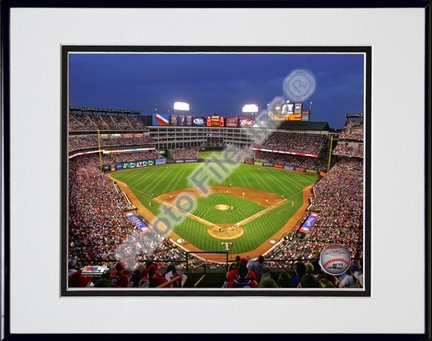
(184, 201)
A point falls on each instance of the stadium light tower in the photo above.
(250, 109)
(181, 106)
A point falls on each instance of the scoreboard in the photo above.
(215, 121)
(289, 112)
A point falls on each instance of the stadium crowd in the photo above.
(352, 149)
(77, 142)
(109, 159)
(354, 130)
(87, 122)
(294, 142)
(184, 153)
(98, 226)
(96, 206)
(292, 160)
(338, 200)
(247, 273)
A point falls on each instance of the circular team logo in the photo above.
(335, 259)
(299, 85)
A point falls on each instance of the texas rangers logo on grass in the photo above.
(335, 259)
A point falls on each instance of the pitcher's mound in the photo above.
(225, 231)
(222, 207)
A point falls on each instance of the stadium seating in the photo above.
(98, 225)
(88, 122)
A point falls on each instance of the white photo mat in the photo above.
(397, 297)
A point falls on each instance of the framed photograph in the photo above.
(269, 156)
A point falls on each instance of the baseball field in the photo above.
(251, 208)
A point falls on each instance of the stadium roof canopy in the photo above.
(303, 125)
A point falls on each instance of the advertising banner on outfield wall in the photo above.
(190, 160)
(106, 168)
(143, 163)
(279, 166)
(119, 166)
(160, 161)
(312, 171)
(249, 162)
(299, 169)
(258, 163)
(288, 167)
(179, 161)
(268, 164)
(127, 165)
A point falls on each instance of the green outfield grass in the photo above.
(150, 182)
(212, 155)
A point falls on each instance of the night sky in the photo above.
(215, 83)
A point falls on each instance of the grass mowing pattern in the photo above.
(220, 155)
(263, 227)
(255, 232)
(162, 179)
(241, 208)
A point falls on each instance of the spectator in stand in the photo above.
(347, 280)
(326, 283)
(309, 281)
(235, 264)
(358, 275)
(284, 280)
(154, 278)
(258, 267)
(242, 278)
(309, 268)
(75, 277)
(267, 281)
(232, 274)
(102, 282)
(72, 266)
(119, 277)
(172, 273)
(300, 271)
(315, 263)
(135, 278)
